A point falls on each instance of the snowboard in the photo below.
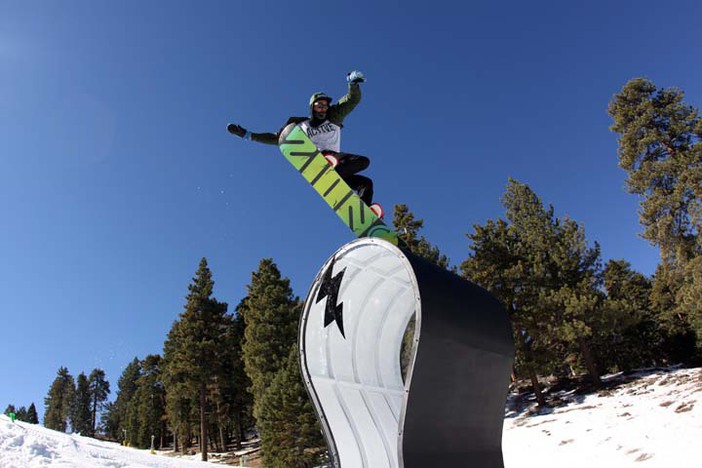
(302, 153)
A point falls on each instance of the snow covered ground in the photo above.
(25, 445)
(654, 420)
(651, 419)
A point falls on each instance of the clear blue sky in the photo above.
(117, 174)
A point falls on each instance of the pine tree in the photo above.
(229, 394)
(99, 390)
(180, 394)
(688, 298)
(408, 228)
(81, 420)
(290, 434)
(576, 305)
(271, 314)
(669, 291)
(546, 276)
(242, 409)
(147, 407)
(636, 339)
(191, 351)
(499, 262)
(58, 401)
(660, 147)
(32, 416)
(116, 417)
(22, 414)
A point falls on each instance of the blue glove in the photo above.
(355, 77)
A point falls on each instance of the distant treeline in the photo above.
(223, 375)
(23, 414)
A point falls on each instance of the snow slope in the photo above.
(650, 419)
(28, 445)
(646, 420)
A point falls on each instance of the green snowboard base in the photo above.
(299, 150)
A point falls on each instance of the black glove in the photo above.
(237, 130)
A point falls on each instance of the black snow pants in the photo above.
(348, 168)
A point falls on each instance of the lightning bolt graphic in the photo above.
(330, 289)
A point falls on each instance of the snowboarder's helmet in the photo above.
(320, 96)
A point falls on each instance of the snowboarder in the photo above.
(323, 126)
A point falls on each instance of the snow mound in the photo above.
(25, 445)
(645, 420)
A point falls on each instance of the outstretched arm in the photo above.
(241, 132)
(339, 111)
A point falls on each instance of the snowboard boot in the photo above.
(331, 159)
(378, 210)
